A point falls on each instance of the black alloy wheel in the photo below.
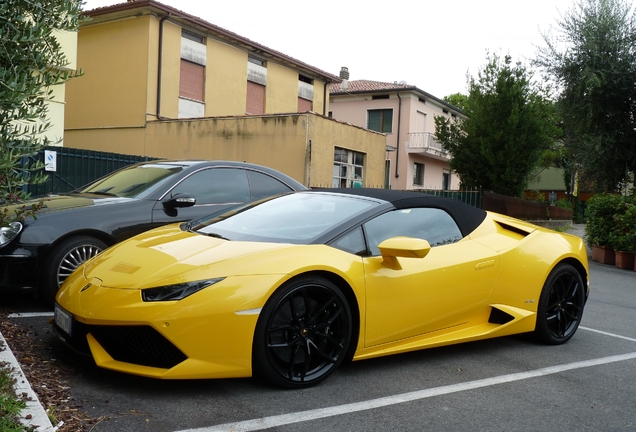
(560, 305)
(303, 333)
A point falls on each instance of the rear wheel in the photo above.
(67, 256)
(560, 305)
(303, 333)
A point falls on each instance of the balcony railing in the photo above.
(425, 142)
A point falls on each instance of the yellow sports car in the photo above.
(289, 287)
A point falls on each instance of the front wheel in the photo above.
(560, 305)
(63, 260)
(302, 334)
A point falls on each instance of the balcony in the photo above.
(425, 142)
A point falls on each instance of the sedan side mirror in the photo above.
(179, 201)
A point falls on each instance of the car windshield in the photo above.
(294, 218)
(134, 182)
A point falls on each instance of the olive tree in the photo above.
(591, 58)
(31, 61)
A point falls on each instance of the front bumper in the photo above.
(18, 269)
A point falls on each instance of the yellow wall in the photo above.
(226, 79)
(113, 89)
(280, 142)
(113, 107)
(170, 70)
(319, 98)
(325, 136)
(282, 89)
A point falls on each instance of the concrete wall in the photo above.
(300, 145)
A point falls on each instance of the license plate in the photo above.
(63, 319)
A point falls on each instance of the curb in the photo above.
(33, 414)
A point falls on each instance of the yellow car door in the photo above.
(412, 296)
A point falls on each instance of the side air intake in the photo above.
(497, 316)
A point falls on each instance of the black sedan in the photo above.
(41, 253)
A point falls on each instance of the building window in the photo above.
(191, 36)
(446, 180)
(192, 76)
(192, 81)
(255, 104)
(380, 120)
(304, 105)
(348, 168)
(305, 93)
(256, 61)
(418, 174)
(256, 86)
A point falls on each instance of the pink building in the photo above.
(414, 159)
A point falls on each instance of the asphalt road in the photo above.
(505, 384)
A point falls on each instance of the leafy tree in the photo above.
(456, 99)
(510, 124)
(592, 60)
(31, 61)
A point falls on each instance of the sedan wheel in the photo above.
(64, 259)
(560, 306)
(303, 333)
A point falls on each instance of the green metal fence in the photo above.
(77, 167)
(473, 198)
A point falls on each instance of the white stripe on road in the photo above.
(303, 416)
(30, 314)
(607, 334)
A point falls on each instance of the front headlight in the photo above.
(177, 291)
(8, 233)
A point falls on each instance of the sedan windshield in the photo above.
(134, 182)
(295, 218)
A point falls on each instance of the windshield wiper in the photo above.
(103, 193)
(215, 235)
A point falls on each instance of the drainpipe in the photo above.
(397, 151)
(324, 99)
(159, 62)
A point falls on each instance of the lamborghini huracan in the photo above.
(289, 287)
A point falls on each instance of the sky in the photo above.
(430, 44)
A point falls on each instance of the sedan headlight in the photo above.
(8, 233)
(177, 291)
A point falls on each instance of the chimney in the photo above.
(344, 73)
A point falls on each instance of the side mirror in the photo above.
(179, 201)
(403, 247)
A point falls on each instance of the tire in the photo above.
(303, 333)
(560, 305)
(63, 260)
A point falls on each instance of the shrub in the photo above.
(599, 218)
(623, 236)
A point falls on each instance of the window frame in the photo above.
(384, 123)
(418, 173)
(345, 170)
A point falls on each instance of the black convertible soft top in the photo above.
(467, 217)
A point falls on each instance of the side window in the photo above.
(216, 186)
(352, 242)
(431, 224)
(263, 185)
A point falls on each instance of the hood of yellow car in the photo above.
(169, 255)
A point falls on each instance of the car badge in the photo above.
(85, 287)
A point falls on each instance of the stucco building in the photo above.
(56, 99)
(414, 159)
(163, 83)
